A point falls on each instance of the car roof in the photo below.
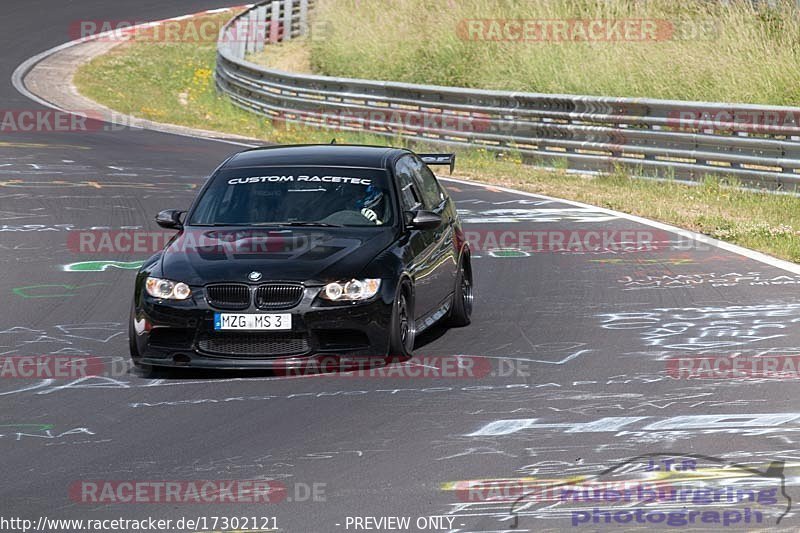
(333, 155)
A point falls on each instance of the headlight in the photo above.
(164, 288)
(353, 290)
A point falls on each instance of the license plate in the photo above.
(226, 321)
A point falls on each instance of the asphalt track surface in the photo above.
(588, 335)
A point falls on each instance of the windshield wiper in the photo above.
(278, 224)
(307, 224)
(215, 225)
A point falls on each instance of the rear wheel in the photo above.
(403, 328)
(461, 310)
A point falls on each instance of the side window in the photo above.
(410, 195)
(432, 193)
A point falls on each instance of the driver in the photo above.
(372, 204)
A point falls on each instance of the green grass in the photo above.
(173, 82)
(758, 220)
(715, 52)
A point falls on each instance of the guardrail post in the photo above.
(230, 39)
(288, 7)
(252, 24)
(223, 40)
(261, 25)
(241, 38)
(274, 21)
(304, 17)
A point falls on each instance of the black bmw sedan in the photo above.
(294, 253)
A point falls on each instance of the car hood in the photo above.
(209, 255)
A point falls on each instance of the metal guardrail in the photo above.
(759, 145)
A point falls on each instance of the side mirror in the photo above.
(423, 219)
(170, 219)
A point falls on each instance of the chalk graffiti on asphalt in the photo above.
(102, 266)
(704, 328)
(644, 261)
(570, 489)
(746, 424)
(516, 201)
(19, 432)
(95, 184)
(16, 215)
(689, 281)
(651, 482)
(567, 214)
(55, 290)
(58, 339)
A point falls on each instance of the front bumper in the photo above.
(170, 333)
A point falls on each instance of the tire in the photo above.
(146, 370)
(403, 329)
(461, 310)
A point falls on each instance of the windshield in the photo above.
(319, 196)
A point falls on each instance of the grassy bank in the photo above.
(173, 82)
(696, 50)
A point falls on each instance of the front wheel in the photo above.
(461, 310)
(136, 357)
(403, 328)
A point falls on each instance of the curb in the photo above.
(65, 96)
